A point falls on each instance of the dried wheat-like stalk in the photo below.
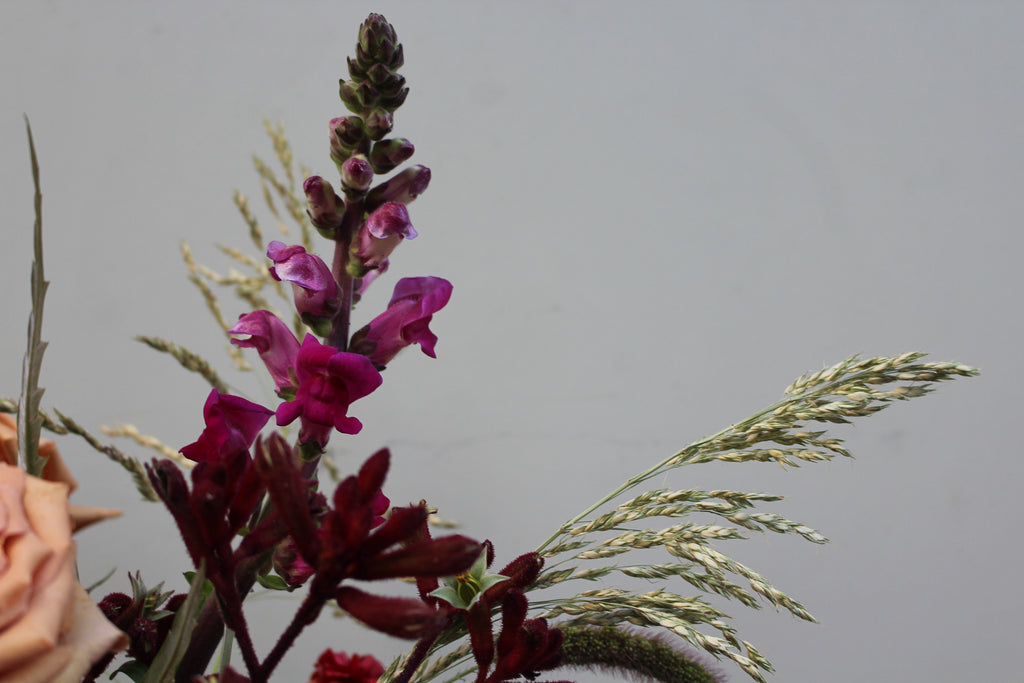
(780, 433)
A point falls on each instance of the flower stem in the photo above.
(416, 657)
(350, 223)
(307, 614)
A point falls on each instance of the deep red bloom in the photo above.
(406, 320)
(314, 289)
(232, 424)
(339, 667)
(277, 346)
(329, 381)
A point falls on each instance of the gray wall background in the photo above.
(655, 215)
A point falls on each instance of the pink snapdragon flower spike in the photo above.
(277, 346)
(382, 232)
(232, 424)
(406, 320)
(315, 292)
(329, 381)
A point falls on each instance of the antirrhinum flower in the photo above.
(403, 188)
(232, 424)
(325, 208)
(315, 292)
(277, 346)
(382, 232)
(406, 320)
(329, 381)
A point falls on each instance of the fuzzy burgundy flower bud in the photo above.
(403, 188)
(325, 207)
(398, 617)
(386, 155)
(356, 174)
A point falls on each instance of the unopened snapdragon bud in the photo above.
(403, 188)
(347, 135)
(325, 207)
(356, 174)
(379, 123)
(386, 155)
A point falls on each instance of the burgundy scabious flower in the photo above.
(314, 290)
(406, 320)
(339, 667)
(382, 232)
(277, 346)
(232, 424)
(328, 382)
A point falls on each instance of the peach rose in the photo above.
(50, 629)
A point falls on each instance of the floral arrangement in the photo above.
(255, 513)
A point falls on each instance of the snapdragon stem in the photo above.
(350, 223)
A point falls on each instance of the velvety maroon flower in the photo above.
(232, 424)
(339, 667)
(382, 232)
(329, 381)
(352, 543)
(277, 346)
(406, 320)
(314, 290)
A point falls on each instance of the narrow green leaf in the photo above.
(29, 420)
(165, 664)
(134, 670)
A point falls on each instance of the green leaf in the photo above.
(134, 670)
(165, 664)
(273, 582)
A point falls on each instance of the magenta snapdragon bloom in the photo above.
(314, 289)
(382, 232)
(406, 320)
(232, 424)
(277, 346)
(329, 381)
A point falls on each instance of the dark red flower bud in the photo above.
(398, 617)
(445, 556)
